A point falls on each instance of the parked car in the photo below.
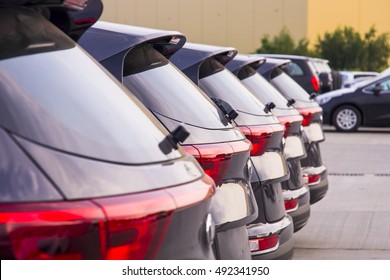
(82, 171)
(348, 78)
(363, 104)
(245, 68)
(138, 58)
(271, 234)
(313, 74)
(315, 172)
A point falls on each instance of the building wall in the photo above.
(241, 23)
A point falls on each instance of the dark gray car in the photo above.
(138, 57)
(81, 169)
(271, 234)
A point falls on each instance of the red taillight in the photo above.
(315, 83)
(308, 114)
(215, 158)
(263, 243)
(260, 136)
(312, 179)
(51, 230)
(288, 122)
(291, 205)
(122, 227)
(85, 21)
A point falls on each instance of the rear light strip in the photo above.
(308, 114)
(260, 136)
(264, 244)
(291, 205)
(315, 83)
(215, 158)
(288, 122)
(311, 180)
(122, 227)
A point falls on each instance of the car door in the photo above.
(376, 103)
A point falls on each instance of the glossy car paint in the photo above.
(197, 62)
(371, 103)
(137, 57)
(294, 189)
(81, 169)
(312, 134)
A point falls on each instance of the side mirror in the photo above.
(376, 90)
(268, 107)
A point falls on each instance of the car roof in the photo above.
(107, 41)
(241, 61)
(191, 56)
(270, 64)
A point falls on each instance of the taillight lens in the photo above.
(315, 83)
(215, 158)
(64, 230)
(122, 227)
(288, 122)
(263, 243)
(291, 205)
(308, 114)
(312, 179)
(260, 137)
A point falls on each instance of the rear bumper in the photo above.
(318, 189)
(301, 215)
(285, 248)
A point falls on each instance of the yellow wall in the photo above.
(241, 23)
(326, 16)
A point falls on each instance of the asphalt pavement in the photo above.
(353, 220)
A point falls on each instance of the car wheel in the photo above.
(347, 118)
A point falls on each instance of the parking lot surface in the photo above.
(353, 220)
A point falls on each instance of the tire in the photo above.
(347, 118)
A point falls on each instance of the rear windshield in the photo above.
(264, 91)
(64, 100)
(165, 90)
(288, 87)
(220, 83)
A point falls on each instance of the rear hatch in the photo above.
(220, 148)
(308, 108)
(91, 180)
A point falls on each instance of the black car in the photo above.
(363, 104)
(244, 67)
(315, 172)
(82, 172)
(138, 58)
(271, 234)
(302, 70)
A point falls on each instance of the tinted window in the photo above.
(265, 92)
(289, 88)
(64, 100)
(224, 85)
(293, 69)
(166, 91)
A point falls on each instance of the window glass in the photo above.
(293, 69)
(64, 100)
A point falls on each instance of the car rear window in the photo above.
(220, 83)
(65, 101)
(288, 87)
(294, 69)
(165, 90)
(264, 91)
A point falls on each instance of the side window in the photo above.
(384, 86)
(294, 69)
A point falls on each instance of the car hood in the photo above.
(335, 93)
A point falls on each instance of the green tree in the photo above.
(284, 43)
(345, 48)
